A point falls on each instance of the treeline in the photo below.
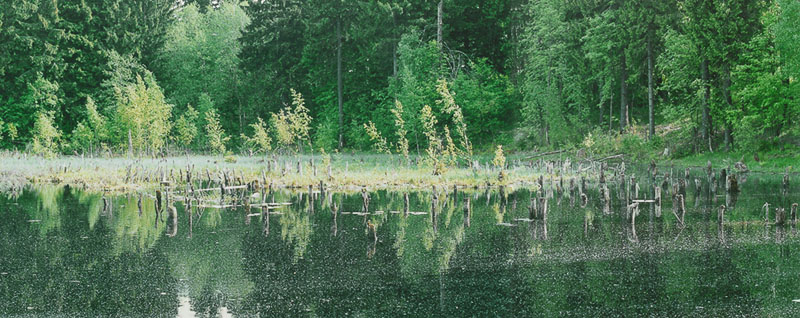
(718, 71)
(254, 76)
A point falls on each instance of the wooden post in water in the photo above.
(365, 200)
(532, 213)
(172, 219)
(543, 204)
(265, 215)
(467, 211)
(158, 201)
(780, 216)
(785, 183)
(405, 204)
(311, 198)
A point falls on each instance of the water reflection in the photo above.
(487, 252)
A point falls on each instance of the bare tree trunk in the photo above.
(439, 24)
(623, 97)
(652, 130)
(706, 124)
(339, 79)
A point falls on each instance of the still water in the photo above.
(64, 253)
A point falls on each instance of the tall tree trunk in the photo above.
(339, 79)
(652, 130)
(396, 43)
(623, 97)
(611, 112)
(439, 24)
(706, 124)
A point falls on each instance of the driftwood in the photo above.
(545, 154)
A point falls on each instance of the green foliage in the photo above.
(292, 124)
(12, 131)
(379, 142)
(82, 137)
(45, 136)
(400, 126)
(186, 127)
(202, 45)
(327, 133)
(488, 100)
(214, 133)
(261, 142)
(633, 144)
(434, 149)
(90, 132)
(499, 160)
(541, 73)
(141, 109)
(448, 104)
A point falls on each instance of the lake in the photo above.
(69, 253)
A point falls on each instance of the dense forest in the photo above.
(90, 76)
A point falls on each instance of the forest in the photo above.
(671, 77)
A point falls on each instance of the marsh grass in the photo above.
(347, 171)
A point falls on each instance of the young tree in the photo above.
(91, 131)
(45, 136)
(186, 127)
(449, 106)
(400, 125)
(215, 133)
(261, 142)
(142, 111)
(380, 143)
(292, 124)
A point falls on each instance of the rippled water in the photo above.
(63, 255)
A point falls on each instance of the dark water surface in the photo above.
(62, 255)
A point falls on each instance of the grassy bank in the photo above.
(772, 161)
